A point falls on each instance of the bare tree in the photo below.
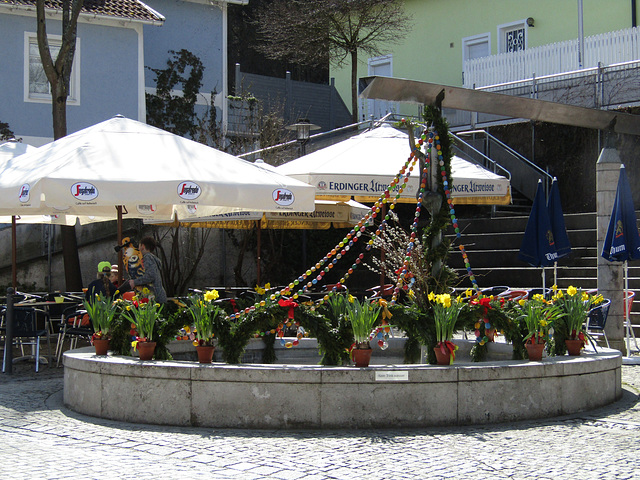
(335, 31)
(58, 73)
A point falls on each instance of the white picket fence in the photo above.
(607, 48)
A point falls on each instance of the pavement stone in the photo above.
(41, 439)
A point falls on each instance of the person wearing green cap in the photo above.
(101, 285)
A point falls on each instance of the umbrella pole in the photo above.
(543, 282)
(119, 230)
(555, 273)
(258, 248)
(627, 323)
(14, 253)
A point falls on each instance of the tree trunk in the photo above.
(354, 86)
(71, 259)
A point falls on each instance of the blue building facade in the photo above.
(107, 75)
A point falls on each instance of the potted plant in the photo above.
(143, 314)
(576, 305)
(102, 310)
(204, 312)
(539, 316)
(363, 317)
(445, 315)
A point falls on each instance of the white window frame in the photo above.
(473, 40)
(505, 27)
(74, 81)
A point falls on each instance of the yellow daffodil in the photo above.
(411, 294)
(585, 296)
(539, 297)
(521, 302)
(267, 286)
(431, 296)
(134, 344)
(571, 291)
(146, 291)
(554, 287)
(211, 295)
(351, 298)
(187, 329)
(468, 292)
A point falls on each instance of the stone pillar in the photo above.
(610, 274)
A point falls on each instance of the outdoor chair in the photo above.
(628, 305)
(597, 319)
(28, 331)
(497, 290)
(514, 295)
(74, 325)
(542, 291)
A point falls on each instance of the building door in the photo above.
(383, 67)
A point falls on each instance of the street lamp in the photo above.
(303, 128)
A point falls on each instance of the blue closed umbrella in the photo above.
(558, 228)
(538, 245)
(622, 241)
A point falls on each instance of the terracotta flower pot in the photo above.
(490, 333)
(146, 349)
(101, 345)
(442, 358)
(205, 353)
(361, 356)
(574, 347)
(535, 351)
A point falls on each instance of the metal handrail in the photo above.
(494, 164)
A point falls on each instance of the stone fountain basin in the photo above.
(288, 396)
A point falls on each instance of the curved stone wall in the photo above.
(305, 396)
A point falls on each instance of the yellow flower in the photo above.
(459, 299)
(267, 286)
(195, 343)
(543, 322)
(259, 290)
(145, 291)
(211, 295)
(521, 302)
(351, 298)
(571, 291)
(554, 287)
(134, 344)
(585, 296)
(187, 329)
(128, 307)
(468, 292)
(431, 296)
(411, 294)
(539, 297)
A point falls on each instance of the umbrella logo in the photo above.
(550, 237)
(189, 190)
(192, 209)
(24, 193)
(619, 229)
(84, 191)
(146, 209)
(283, 197)
(322, 185)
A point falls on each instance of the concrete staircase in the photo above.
(492, 246)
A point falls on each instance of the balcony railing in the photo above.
(555, 58)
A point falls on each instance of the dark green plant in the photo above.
(269, 352)
(328, 324)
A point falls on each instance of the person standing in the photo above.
(152, 278)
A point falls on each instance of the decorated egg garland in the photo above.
(316, 273)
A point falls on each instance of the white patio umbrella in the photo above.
(121, 167)
(363, 166)
(146, 170)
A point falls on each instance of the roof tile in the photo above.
(130, 9)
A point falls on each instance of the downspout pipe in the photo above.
(634, 23)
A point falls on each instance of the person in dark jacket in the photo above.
(151, 278)
(101, 285)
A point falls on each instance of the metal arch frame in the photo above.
(459, 98)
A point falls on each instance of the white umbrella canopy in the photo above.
(151, 173)
(364, 165)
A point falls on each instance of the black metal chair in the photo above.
(28, 331)
(72, 326)
(597, 319)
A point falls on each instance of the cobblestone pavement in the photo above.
(41, 439)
